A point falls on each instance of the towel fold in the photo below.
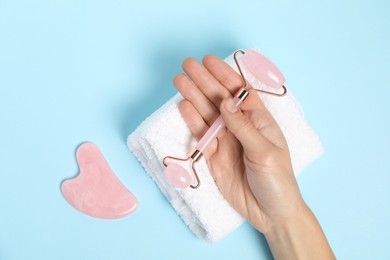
(205, 210)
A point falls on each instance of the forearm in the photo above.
(300, 237)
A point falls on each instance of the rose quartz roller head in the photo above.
(265, 71)
(181, 172)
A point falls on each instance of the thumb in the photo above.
(242, 128)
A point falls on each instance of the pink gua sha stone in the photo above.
(263, 69)
(96, 191)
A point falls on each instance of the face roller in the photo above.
(263, 70)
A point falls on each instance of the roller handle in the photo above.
(215, 129)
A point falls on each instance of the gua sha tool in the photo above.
(181, 172)
(96, 191)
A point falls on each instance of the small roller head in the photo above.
(177, 175)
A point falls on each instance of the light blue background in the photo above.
(74, 71)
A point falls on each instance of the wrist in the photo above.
(286, 225)
(298, 237)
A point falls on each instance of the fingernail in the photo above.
(230, 106)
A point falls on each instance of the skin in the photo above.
(258, 180)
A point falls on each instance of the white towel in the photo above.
(205, 210)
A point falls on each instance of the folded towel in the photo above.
(205, 210)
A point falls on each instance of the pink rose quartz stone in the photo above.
(177, 175)
(96, 191)
(263, 69)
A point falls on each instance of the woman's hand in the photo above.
(250, 160)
